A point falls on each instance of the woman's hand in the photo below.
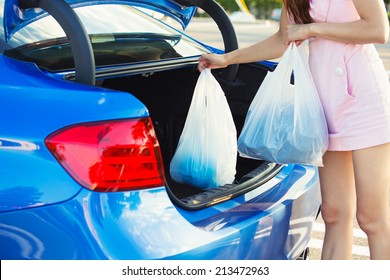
(212, 61)
(297, 33)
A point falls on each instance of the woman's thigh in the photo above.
(372, 176)
(337, 187)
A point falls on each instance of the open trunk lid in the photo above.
(19, 13)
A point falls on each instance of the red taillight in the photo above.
(110, 156)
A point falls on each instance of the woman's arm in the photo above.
(373, 27)
(271, 48)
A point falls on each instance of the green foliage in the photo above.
(261, 8)
(228, 5)
(231, 5)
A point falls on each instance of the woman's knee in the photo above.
(333, 213)
(372, 223)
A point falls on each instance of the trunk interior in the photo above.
(168, 94)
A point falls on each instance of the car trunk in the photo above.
(167, 95)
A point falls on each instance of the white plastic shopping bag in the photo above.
(206, 154)
(285, 122)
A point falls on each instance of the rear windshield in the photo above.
(119, 34)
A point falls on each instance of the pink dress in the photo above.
(352, 83)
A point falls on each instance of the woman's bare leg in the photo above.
(338, 206)
(372, 176)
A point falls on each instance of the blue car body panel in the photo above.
(16, 18)
(145, 225)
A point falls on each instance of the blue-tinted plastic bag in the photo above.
(286, 123)
(206, 154)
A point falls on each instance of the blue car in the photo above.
(93, 100)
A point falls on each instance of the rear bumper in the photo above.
(146, 225)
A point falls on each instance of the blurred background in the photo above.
(250, 10)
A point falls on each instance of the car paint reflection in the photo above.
(15, 144)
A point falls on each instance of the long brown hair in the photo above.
(299, 10)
